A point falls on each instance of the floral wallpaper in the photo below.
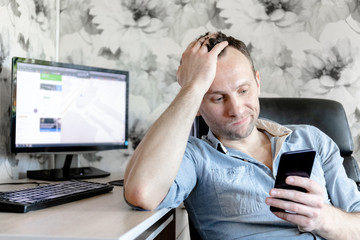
(301, 48)
(27, 29)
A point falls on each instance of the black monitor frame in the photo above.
(66, 172)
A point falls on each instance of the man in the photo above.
(227, 178)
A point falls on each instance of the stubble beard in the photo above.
(222, 131)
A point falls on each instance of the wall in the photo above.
(301, 48)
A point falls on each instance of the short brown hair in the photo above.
(233, 42)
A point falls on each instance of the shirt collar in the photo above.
(272, 128)
(214, 142)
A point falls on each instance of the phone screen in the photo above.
(294, 163)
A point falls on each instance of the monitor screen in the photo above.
(59, 107)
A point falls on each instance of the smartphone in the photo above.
(294, 163)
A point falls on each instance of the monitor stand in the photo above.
(67, 173)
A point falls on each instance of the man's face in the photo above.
(231, 106)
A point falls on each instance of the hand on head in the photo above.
(198, 64)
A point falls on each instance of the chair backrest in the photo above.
(327, 115)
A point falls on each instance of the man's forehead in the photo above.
(232, 57)
(220, 88)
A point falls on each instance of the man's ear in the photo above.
(257, 78)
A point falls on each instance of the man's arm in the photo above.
(312, 214)
(155, 162)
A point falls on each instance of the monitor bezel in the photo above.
(55, 148)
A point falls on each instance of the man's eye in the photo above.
(217, 99)
(243, 91)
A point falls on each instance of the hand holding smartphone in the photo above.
(294, 163)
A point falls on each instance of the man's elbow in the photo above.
(138, 197)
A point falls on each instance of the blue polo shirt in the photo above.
(224, 190)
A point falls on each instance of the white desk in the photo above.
(106, 216)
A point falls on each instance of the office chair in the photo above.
(327, 115)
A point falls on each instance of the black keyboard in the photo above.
(39, 197)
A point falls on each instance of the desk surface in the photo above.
(106, 216)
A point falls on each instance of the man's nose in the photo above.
(234, 106)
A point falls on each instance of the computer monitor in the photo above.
(62, 108)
